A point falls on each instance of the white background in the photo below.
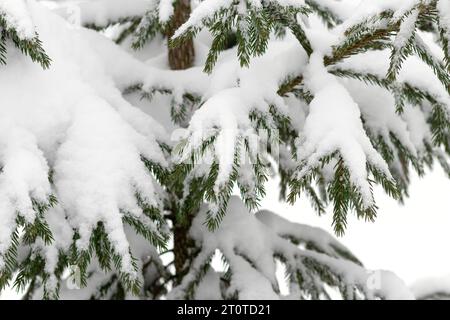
(411, 239)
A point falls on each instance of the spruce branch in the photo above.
(29, 47)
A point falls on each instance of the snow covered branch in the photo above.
(251, 245)
(334, 97)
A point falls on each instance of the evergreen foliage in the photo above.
(31, 47)
(280, 81)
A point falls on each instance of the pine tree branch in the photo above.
(366, 40)
(289, 86)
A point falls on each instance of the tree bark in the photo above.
(180, 248)
(181, 57)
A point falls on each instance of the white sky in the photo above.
(410, 240)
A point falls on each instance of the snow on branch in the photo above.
(17, 17)
(102, 13)
(333, 129)
(443, 8)
(370, 152)
(223, 137)
(17, 27)
(252, 21)
(251, 244)
(403, 42)
(331, 96)
(73, 143)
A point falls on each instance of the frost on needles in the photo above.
(136, 138)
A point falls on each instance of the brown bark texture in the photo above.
(182, 56)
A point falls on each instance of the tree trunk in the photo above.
(181, 57)
(180, 248)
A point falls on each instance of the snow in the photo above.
(204, 10)
(101, 12)
(24, 175)
(343, 9)
(414, 70)
(290, 3)
(418, 131)
(418, 255)
(15, 12)
(368, 8)
(443, 8)
(431, 286)
(444, 14)
(73, 120)
(406, 31)
(209, 288)
(377, 106)
(248, 243)
(208, 8)
(233, 93)
(180, 81)
(140, 249)
(165, 10)
(324, 241)
(334, 124)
